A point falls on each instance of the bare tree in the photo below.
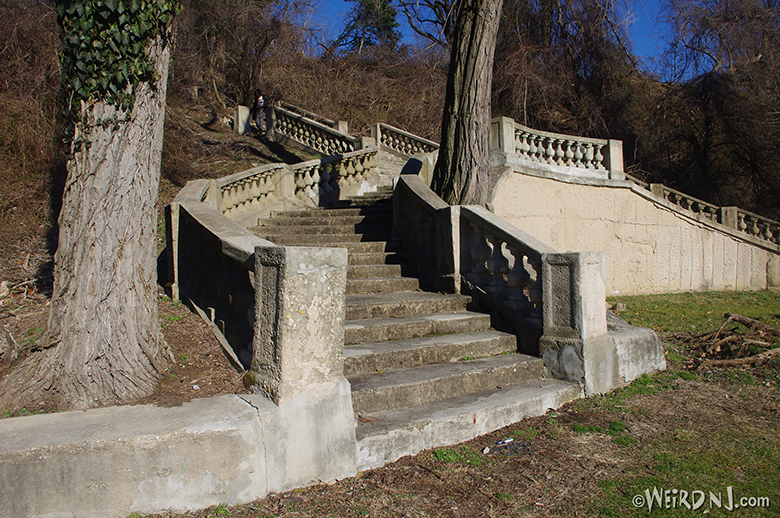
(463, 172)
(102, 344)
(434, 20)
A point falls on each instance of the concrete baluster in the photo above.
(549, 152)
(569, 153)
(578, 155)
(480, 253)
(532, 148)
(498, 266)
(588, 155)
(598, 158)
(517, 279)
(559, 152)
(535, 292)
(325, 179)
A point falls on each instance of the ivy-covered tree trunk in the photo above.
(103, 344)
(463, 173)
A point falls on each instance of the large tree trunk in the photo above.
(103, 344)
(463, 173)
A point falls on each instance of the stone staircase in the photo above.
(412, 357)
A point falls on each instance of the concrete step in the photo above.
(376, 271)
(359, 210)
(300, 230)
(383, 329)
(368, 258)
(364, 306)
(404, 354)
(387, 285)
(387, 436)
(352, 242)
(420, 385)
(328, 218)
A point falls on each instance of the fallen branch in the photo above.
(751, 323)
(758, 358)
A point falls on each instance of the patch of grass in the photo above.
(582, 428)
(219, 511)
(526, 433)
(464, 455)
(21, 413)
(616, 427)
(624, 440)
(504, 496)
(699, 312)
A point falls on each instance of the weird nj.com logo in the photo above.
(660, 498)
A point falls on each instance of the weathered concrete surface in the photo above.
(650, 246)
(576, 344)
(391, 435)
(299, 330)
(638, 349)
(111, 462)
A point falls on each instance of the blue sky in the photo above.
(644, 29)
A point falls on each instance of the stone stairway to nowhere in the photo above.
(424, 370)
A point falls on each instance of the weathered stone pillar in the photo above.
(299, 321)
(297, 363)
(502, 135)
(575, 345)
(270, 123)
(615, 154)
(241, 120)
(728, 216)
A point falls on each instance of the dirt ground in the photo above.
(201, 369)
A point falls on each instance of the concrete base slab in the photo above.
(111, 462)
(639, 351)
(388, 436)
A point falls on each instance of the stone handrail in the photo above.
(249, 188)
(313, 116)
(567, 154)
(503, 262)
(310, 133)
(400, 141)
(330, 175)
(743, 221)
(280, 186)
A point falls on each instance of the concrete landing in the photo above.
(387, 436)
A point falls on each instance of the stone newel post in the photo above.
(299, 324)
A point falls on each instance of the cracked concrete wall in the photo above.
(649, 248)
(111, 462)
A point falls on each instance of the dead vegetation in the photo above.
(746, 341)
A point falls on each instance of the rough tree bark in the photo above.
(103, 344)
(463, 173)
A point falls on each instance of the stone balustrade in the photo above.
(555, 152)
(554, 303)
(400, 141)
(253, 193)
(504, 263)
(310, 133)
(315, 179)
(248, 189)
(745, 222)
(313, 116)
(755, 225)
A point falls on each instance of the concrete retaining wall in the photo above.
(650, 245)
(111, 462)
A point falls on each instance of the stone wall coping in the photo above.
(506, 231)
(657, 200)
(412, 136)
